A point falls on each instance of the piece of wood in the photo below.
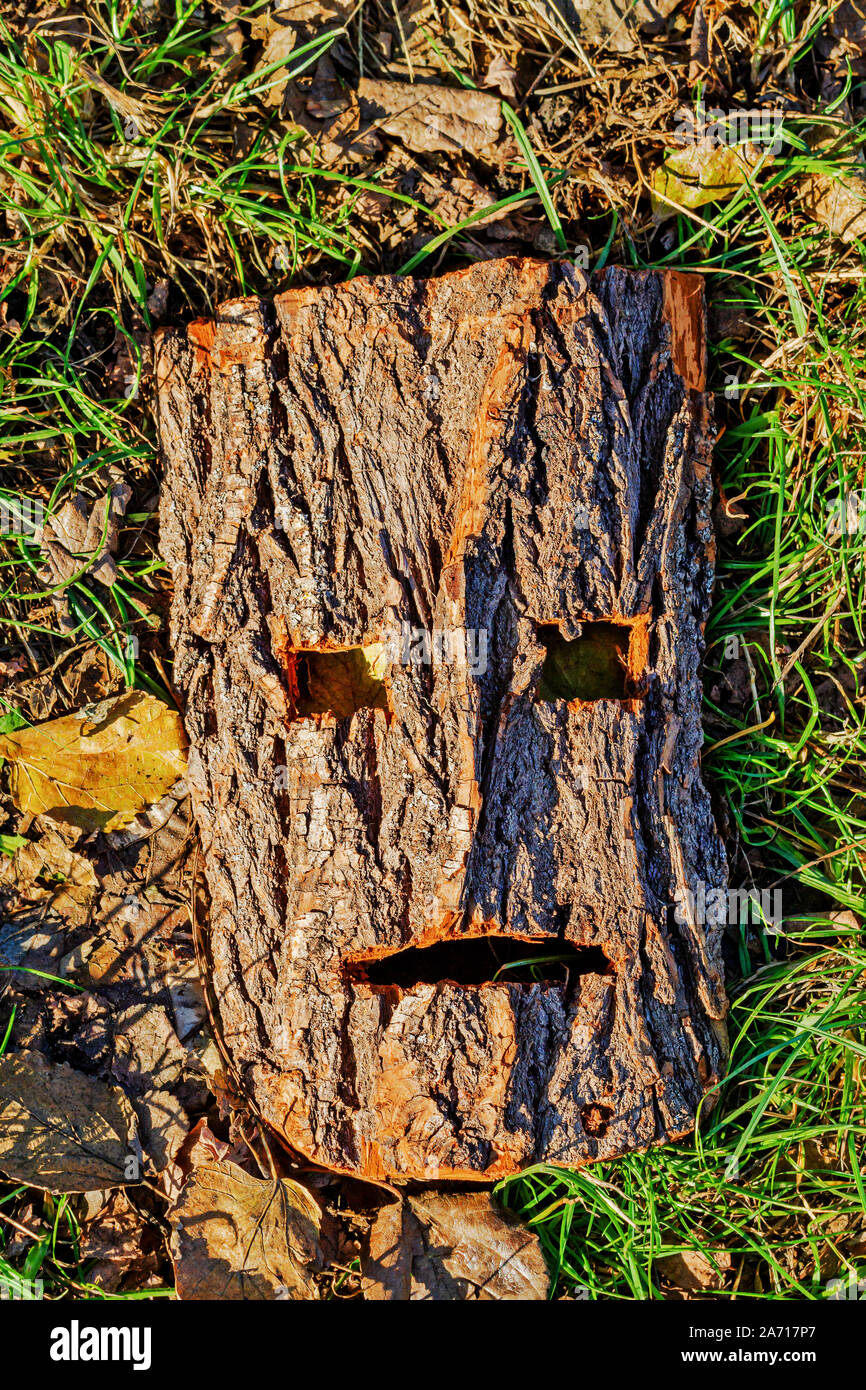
(517, 453)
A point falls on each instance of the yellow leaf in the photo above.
(703, 172)
(341, 682)
(97, 768)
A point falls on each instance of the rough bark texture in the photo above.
(510, 449)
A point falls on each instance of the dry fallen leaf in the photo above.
(277, 51)
(703, 172)
(239, 1237)
(695, 1272)
(61, 1130)
(447, 1247)
(82, 535)
(201, 1146)
(502, 77)
(308, 13)
(98, 767)
(47, 871)
(227, 51)
(32, 940)
(459, 198)
(151, 1064)
(428, 39)
(124, 1246)
(163, 1125)
(838, 204)
(608, 23)
(426, 117)
(147, 1050)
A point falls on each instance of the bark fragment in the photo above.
(514, 451)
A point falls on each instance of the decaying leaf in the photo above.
(31, 940)
(124, 1247)
(273, 63)
(151, 1064)
(502, 77)
(46, 870)
(226, 49)
(98, 767)
(61, 1130)
(426, 117)
(147, 1050)
(838, 204)
(326, 97)
(82, 536)
(613, 24)
(163, 1125)
(201, 1146)
(702, 172)
(459, 198)
(239, 1237)
(446, 1247)
(307, 14)
(693, 1271)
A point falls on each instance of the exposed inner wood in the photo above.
(496, 453)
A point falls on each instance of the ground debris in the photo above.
(61, 1130)
(81, 537)
(451, 1247)
(239, 1237)
(125, 1247)
(426, 117)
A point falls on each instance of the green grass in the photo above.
(748, 1187)
(118, 169)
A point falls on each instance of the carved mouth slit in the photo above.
(606, 662)
(337, 682)
(479, 960)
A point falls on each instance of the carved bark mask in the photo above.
(442, 558)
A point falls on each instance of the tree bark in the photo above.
(522, 455)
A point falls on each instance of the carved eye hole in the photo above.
(606, 662)
(338, 682)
